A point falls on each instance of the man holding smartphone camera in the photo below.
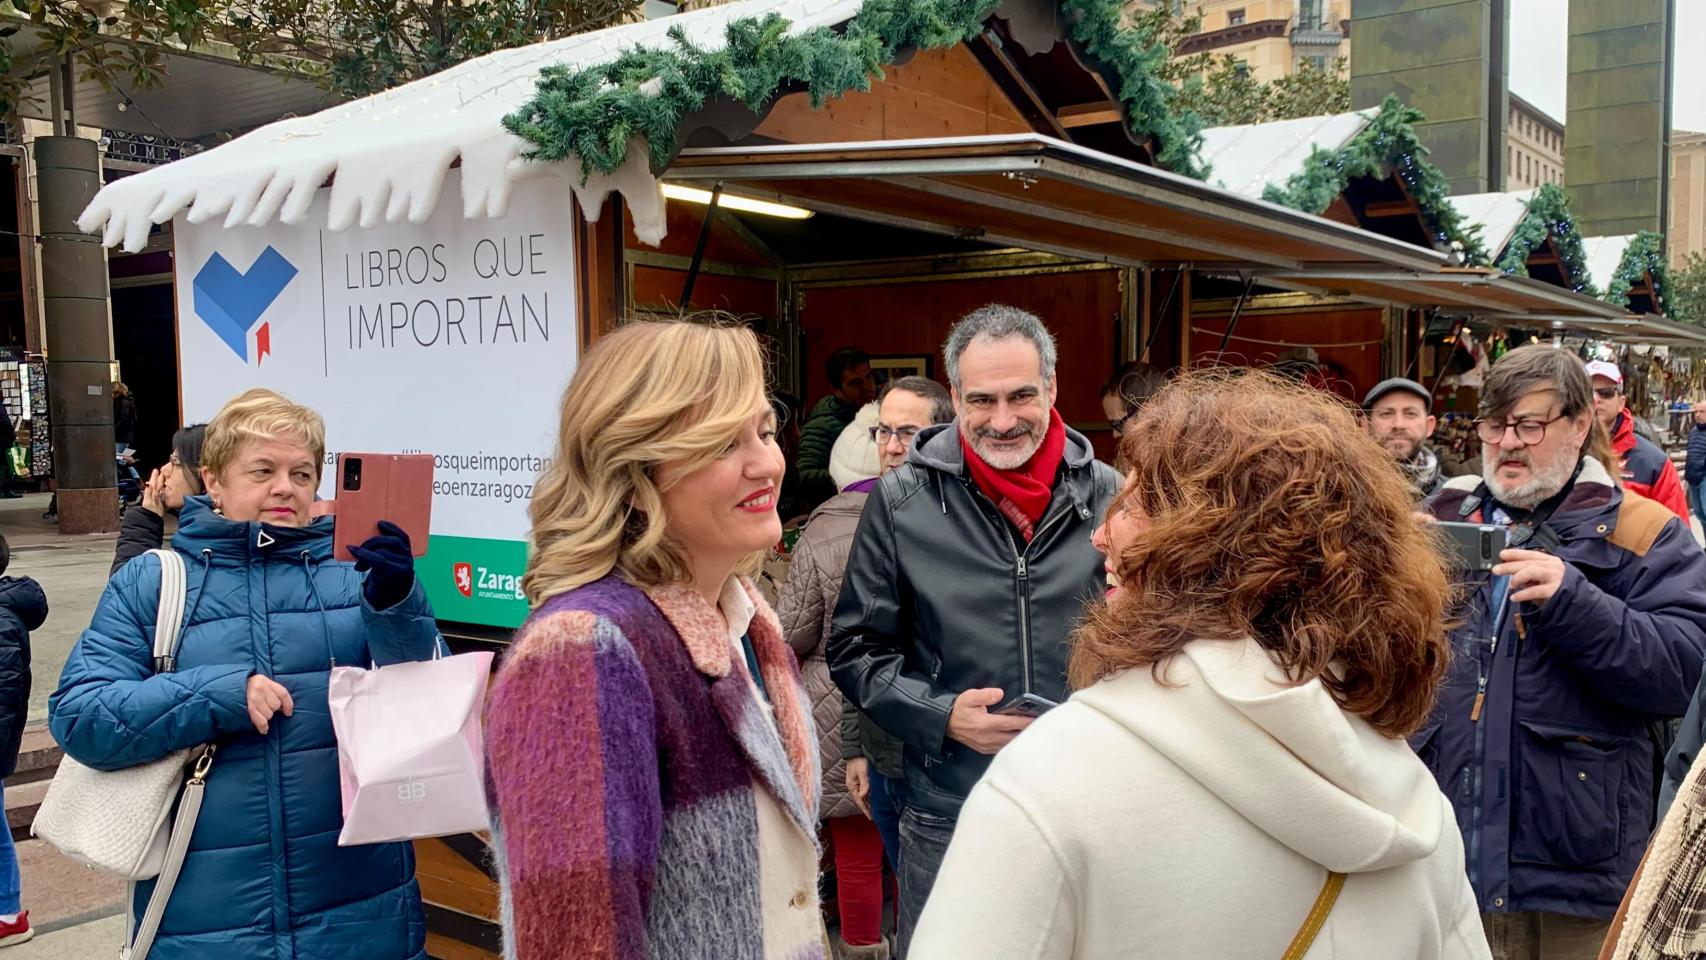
(1591, 626)
(970, 567)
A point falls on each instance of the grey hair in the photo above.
(941, 405)
(998, 321)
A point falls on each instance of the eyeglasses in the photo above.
(1118, 426)
(1527, 431)
(882, 434)
(1606, 393)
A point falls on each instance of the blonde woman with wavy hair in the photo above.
(652, 764)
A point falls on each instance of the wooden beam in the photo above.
(988, 49)
(1089, 114)
(1389, 208)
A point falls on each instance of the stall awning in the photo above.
(1033, 191)
(1462, 291)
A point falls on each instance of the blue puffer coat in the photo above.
(1553, 777)
(265, 877)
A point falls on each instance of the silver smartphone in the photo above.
(1474, 546)
(1025, 705)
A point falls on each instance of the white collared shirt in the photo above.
(738, 610)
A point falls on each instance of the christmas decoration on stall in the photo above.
(1388, 144)
(595, 113)
(1644, 257)
(1549, 218)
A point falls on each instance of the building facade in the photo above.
(1534, 147)
(1687, 195)
(1270, 36)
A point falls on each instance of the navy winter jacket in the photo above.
(1695, 470)
(265, 877)
(23, 607)
(1553, 783)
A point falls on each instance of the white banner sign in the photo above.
(453, 337)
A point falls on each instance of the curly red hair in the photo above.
(1272, 514)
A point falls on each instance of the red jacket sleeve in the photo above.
(1667, 490)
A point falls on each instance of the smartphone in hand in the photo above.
(381, 486)
(1025, 705)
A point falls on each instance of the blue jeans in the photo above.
(1695, 505)
(8, 867)
(888, 799)
(924, 839)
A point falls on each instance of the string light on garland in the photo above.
(594, 113)
(1388, 144)
(1549, 218)
(1643, 258)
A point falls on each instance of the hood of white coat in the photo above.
(1284, 756)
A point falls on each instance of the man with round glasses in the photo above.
(1589, 629)
(1645, 468)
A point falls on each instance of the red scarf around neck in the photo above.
(1022, 495)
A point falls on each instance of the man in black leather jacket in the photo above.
(971, 566)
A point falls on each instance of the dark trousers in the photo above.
(924, 841)
(888, 799)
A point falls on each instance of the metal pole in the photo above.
(1232, 322)
(56, 100)
(68, 80)
(1156, 321)
(699, 248)
(79, 343)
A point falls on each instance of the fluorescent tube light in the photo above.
(676, 191)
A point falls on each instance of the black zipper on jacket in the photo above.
(1021, 569)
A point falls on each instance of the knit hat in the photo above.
(854, 457)
(1385, 387)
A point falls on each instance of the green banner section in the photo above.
(471, 580)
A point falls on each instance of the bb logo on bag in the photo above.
(231, 303)
(465, 579)
(412, 791)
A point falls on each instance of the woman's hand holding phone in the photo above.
(389, 562)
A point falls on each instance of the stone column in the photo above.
(1617, 132)
(79, 343)
(1450, 60)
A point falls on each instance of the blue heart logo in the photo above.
(230, 303)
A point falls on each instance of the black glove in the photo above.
(389, 563)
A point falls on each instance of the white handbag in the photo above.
(116, 821)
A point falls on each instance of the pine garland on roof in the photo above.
(594, 113)
(1549, 216)
(1644, 255)
(1151, 103)
(1389, 143)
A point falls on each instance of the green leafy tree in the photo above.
(357, 47)
(1688, 290)
(350, 47)
(1222, 89)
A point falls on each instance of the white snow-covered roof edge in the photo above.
(387, 154)
(1246, 158)
(1497, 214)
(1604, 255)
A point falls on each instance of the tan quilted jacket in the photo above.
(805, 608)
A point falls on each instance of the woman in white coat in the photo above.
(1231, 780)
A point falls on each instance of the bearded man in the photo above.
(971, 565)
(1398, 418)
(1591, 627)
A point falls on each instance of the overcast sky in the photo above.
(1540, 35)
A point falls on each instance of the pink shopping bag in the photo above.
(410, 758)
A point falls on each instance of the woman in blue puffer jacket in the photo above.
(268, 611)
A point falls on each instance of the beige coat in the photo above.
(805, 607)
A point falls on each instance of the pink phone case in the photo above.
(391, 486)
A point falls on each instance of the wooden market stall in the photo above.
(1019, 158)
